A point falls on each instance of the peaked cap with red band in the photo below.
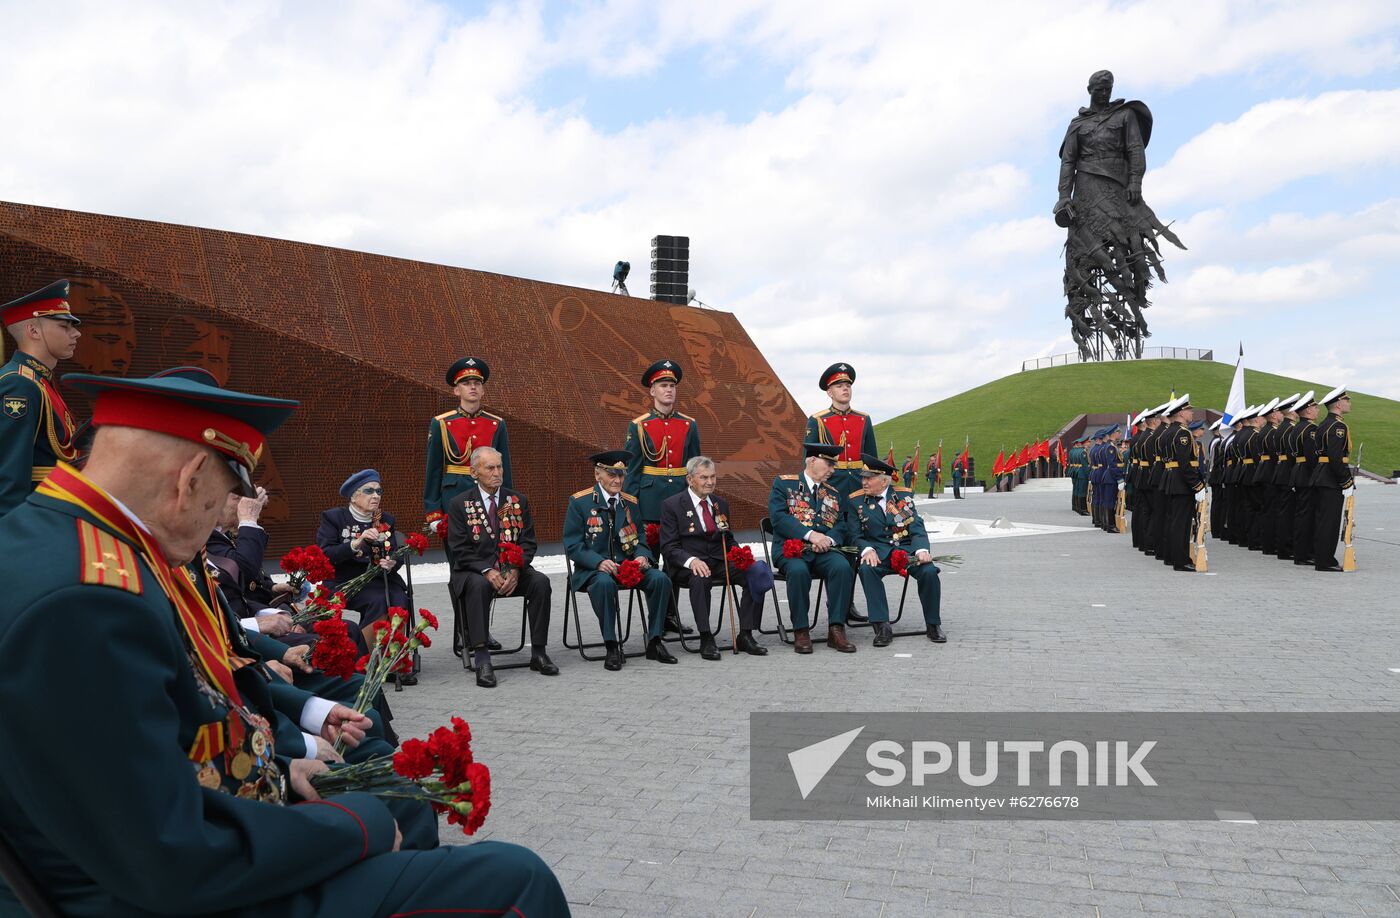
(50, 302)
(838, 372)
(186, 402)
(661, 371)
(468, 368)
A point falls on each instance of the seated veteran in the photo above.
(804, 507)
(184, 729)
(479, 521)
(601, 530)
(240, 538)
(881, 519)
(696, 537)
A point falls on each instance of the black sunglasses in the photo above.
(372, 490)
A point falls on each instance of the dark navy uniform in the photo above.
(660, 445)
(1304, 496)
(851, 430)
(1285, 450)
(162, 803)
(1182, 480)
(1330, 478)
(896, 525)
(36, 427)
(337, 530)
(453, 435)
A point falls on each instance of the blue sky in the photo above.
(885, 171)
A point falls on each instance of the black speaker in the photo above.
(670, 269)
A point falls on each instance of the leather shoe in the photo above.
(1285, 556)
(836, 639)
(410, 679)
(614, 660)
(708, 650)
(1336, 568)
(802, 640)
(542, 664)
(492, 643)
(486, 675)
(747, 644)
(855, 616)
(935, 634)
(656, 650)
(1184, 567)
(1301, 562)
(673, 623)
(884, 634)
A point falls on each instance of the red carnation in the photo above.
(899, 562)
(428, 617)
(741, 556)
(629, 573)
(653, 536)
(416, 541)
(462, 729)
(512, 555)
(413, 760)
(334, 653)
(309, 563)
(382, 527)
(792, 548)
(480, 777)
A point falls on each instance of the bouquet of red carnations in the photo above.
(792, 548)
(653, 536)
(741, 556)
(440, 771)
(629, 573)
(512, 556)
(319, 606)
(309, 563)
(436, 523)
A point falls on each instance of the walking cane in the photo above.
(729, 590)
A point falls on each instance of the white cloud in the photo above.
(902, 197)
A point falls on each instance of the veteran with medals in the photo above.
(187, 789)
(36, 427)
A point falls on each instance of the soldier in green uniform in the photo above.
(660, 443)
(842, 426)
(36, 430)
(806, 510)
(602, 529)
(881, 519)
(454, 435)
(170, 797)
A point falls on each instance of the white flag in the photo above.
(1235, 404)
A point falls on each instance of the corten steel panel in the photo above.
(363, 340)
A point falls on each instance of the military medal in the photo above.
(208, 776)
(241, 767)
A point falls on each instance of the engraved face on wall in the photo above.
(109, 328)
(188, 341)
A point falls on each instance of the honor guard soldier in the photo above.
(1284, 500)
(1075, 468)
(806, 509)
(660, 443)
(1236, 499)
(1304, 462)
(881, 519)
(1256, 448)
(202, 783)
(454, 435)
(1097, 467)
(602, 529)
(1264, 470)
(1182, 483)
(1215, 476)
(1332, 479)
(37, 430)
(842, 426)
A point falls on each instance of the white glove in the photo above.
(1122, 485)
(1201, 496)
(1347, 492)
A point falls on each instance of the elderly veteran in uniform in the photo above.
(695, 538)
(602, 529)
(881, 519)
(807, 509)
(454, 435)
(478, 523)
(358, 536)
(37, 431)
(170, 798)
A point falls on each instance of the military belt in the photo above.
(658, 470)
(1301, 459)
(1265, 458)
(1346, 460)
(850, 464)
(458, 469)
(1175, 465)
(1249, 462)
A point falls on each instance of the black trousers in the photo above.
(1304, 517)
(1219, 519)
(701, 592)
(475, 596)
(1267, 516)
(1157, 537)
(1238, 510)
(1327, 526)
(1284, 501)
(1256, 516)
(1176, 534)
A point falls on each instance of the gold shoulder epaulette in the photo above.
(106, 560)
(823, 413)
(627, 497)
(685, 417)
(857, 492)
(494, 417)
(445, 414)
(787, 477)
(584, 493)
(641, 417)
(900, 489)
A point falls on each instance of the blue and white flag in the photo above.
(1235, 404)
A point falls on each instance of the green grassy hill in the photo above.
(1032, 405)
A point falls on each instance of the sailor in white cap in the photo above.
(1237, 504)
(1284, 452)
(1332, 479)
(1305, 457)
(1182, 483)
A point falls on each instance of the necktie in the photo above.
(491, 514)
(706, 516)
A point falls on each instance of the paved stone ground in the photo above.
(634, 785)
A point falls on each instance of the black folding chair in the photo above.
(571, 609)
(27, 890)
(468, 660)
(680, 579)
